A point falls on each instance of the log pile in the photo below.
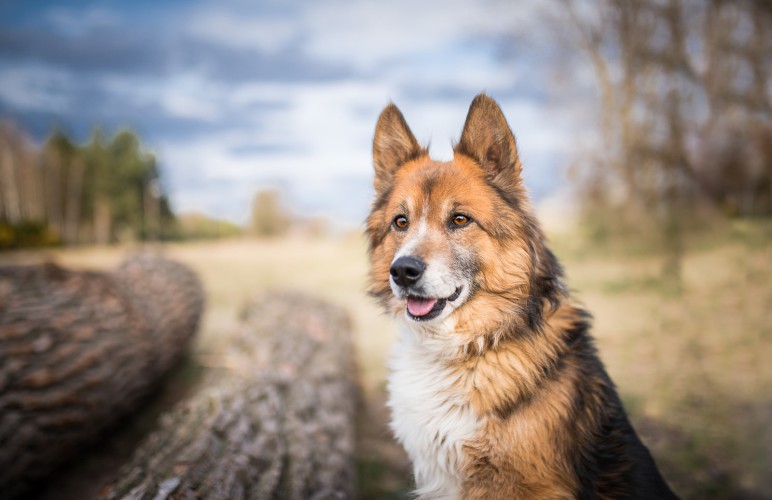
(79, 350)
(275, 421)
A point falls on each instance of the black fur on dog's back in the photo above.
(611, 461)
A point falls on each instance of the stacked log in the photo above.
(80, 350)
(275, 421)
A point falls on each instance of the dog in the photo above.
(495, 387)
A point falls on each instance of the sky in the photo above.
(238, 96)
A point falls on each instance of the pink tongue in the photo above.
(420, 307)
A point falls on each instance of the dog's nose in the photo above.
(407, 271)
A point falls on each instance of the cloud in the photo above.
(33, 87)
(183, 95)
(230, 29)
(371, 33)
(100, 51)
(80, 22)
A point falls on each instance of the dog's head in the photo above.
(453, 241)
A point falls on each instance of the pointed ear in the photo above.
(488, 140)
(393, 145)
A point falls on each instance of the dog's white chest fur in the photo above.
(430, 420)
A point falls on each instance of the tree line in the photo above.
(104, 191)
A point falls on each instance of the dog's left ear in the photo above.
(488, 140)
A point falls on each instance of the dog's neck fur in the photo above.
(511, 346)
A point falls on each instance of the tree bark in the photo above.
(74, 197)
(11, 209)
(276, 421)
(79, 350)
(102, 220)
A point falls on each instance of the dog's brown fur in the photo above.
(520, 356)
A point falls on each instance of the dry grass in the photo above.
(692, 365)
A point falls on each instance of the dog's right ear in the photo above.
(394, 145)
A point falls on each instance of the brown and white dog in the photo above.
(495, 387)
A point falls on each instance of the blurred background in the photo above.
(236, 136)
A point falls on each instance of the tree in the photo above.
(268, 218)
(20, 177)
(99, 192)
(666, 72)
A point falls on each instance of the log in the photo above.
(276, 420)
(79, 350)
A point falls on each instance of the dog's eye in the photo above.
(460, 220)
(400, 222)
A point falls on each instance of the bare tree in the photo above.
(735, 157)
(672, 74)
(20, 197)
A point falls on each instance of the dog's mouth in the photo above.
(425, 309)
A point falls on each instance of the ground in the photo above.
(690, 359)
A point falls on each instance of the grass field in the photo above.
(694, 364)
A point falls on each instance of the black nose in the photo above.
(407, 271)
